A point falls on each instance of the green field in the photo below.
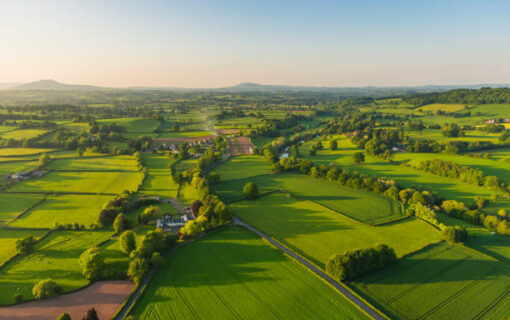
(185, 164)
(21, 151)
(492, 110)
(116, 163)
(13, 167)
(133, 125)
(361, 205)
(233, 274)
(63, 209)
(316, 232)
(184, 134)
(8, 239)
(22, 134)
(442, 107)
(243, 167)
(159, 180)
(6, 128)
(441, 282)
(56, 257)
(86, 182)
(12, 205)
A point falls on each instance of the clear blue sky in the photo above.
(216, 43)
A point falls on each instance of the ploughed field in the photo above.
(234, 274)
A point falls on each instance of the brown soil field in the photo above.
(228, 131)
(245, 144)
(105, 296)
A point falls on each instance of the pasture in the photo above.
(56, 257)
(159, 180)
(443, 107)
(22, 134)
(360, 205)
(441, 282)
(64, 210)
(12, 205)
(81, 182)
(8, 152)
(243, 167)
(316, 232)
(115, 163)
(8, 240)
(234, 274)
(18, 166)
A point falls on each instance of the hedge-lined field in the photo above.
(243, 167)
(361, 205)
(441, 282)
(316, 232)
(63, 209)
(22, 134)
(56, 258)
(159, 180)
(234, 274)
(4, 152)
(8, 240)
(89, 182)
(12, 205)
(119, 163)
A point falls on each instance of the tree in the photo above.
(214, 178)
(333, 145)
(18, 297)
(25, 245)
(195, 207)
(43, 160)
(64, 316)
(250, 190)
(127, 241)
(156, 259)
(91, 315)
(359, 158)
(137, 269)
(121, 223)
(92, 263)
(46, 288)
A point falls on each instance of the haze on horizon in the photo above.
(221, 43)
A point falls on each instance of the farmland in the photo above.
(242, 167)
(235, 274)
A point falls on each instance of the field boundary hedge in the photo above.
(22, 213)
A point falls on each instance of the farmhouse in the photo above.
(27, 175)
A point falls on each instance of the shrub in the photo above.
(250, 190)
(137, 269)
(156, 259)
(127, 242)
(92, 263)
(18, 297)
(91, 315)
(121, 223)
(64, 316)
(46, 288)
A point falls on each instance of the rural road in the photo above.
(339, 286)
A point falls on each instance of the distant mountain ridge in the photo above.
(52, 85)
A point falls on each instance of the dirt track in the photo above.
(105, 296)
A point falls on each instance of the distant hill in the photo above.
(52, 85)
(8, 85)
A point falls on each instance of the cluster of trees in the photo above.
(25, 245)
(46, 288)
(314, 147)
(493, 128)
(272, 127)
(43, 125)
(355, 263)
(452, 130)
(461, 96)
(122, 202)
(451, 147)
(467, 174)
(454, 234)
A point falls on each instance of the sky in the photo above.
(221, 43)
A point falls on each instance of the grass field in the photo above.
(158, 180)
(492, 110)
(185, 164)
(441, 282)
(6, 128)
(233, 274)
(13, 204)
(442, 107)
(316, 232)
(260, 141)
(406, 176)
(133, 125)
(4, 152)
(87, 182)
(243, 167)
(116, 163)
(22, 134)
(56, 257)
(361, 205)
(64, 209)
(469, 136)
(184, 134)
(13, 167)
(8, 239)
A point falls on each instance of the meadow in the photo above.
(443, 107)
(158, 180)
(63, 209)
(18, 166)
(441, 282)
(243, 167)
(8, 152)
(22, 134)
(361, 205)
(316, 232)
(234, 274)
(81, 182)
(8, 240)
(111, 163)
(12, 205)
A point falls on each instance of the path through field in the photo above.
(339, 286)
(105, 296)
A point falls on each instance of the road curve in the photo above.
(339, 286)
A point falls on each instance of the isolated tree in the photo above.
(43, 160)
(64, 316)
(121, 223)
(333, 145)
(18, 297)
(359, 158)
(92, 263)
(46, 288)
(91, 315)
(127, 241)
(250, 190)
(25, 245)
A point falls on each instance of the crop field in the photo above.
(234, 274)
(22, 134)
(55, 258)
(159, 180)
(64, 209)
(115, 163)
(441, 282)
(316, 232)
(442, 107)
(8, 240)
(449, 188)
(85, 182)
(243, 167)
(13, 204)
(8, 152)
(361, 205)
